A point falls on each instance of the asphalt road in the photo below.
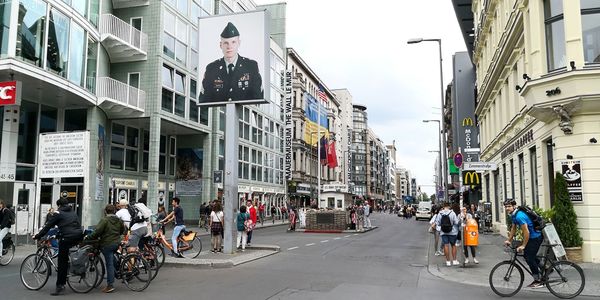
(387, 263)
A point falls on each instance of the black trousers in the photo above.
(63, 259)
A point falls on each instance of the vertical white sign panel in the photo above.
(63, 154)
(289, 125)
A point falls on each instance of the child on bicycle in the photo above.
(532, 240)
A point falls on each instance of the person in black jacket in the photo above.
(4, 222)
(70, 234)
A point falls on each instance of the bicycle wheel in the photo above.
(8, 253)
(160, 254)
(135, 272)
(149, 255)
(506, 278)
(85, 282)
(34, 272)
(193, 247)
(101, 266)
(565, 280)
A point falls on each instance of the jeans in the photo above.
(530, 256)
(176, 232)
(3, 233)
(249, 236)
(63, 260)
(109, 257)
(367, 221)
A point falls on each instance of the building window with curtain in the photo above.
(590, 24)
(555, 34)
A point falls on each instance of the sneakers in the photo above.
(455, 263)
(438, 253)
(466, 261)
(536, 284)
(60, 290)
(108, 289)
(448, 264)
(176, 255)
(475, 260)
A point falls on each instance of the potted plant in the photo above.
(565, 219)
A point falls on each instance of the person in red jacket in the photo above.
(261, 212)
(252, 211)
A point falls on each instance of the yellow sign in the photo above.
(471, 178)
(311, 133)
(467, 122)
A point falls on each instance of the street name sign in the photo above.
(480, 166)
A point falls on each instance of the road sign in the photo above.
(458, 159)
(480, 166)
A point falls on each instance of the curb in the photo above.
(336, 231)
(262, 252)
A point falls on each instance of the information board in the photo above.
(63, 154)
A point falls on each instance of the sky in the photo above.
(361, 46)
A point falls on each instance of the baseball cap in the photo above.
(123, 202)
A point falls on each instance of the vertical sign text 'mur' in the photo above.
(289, 125)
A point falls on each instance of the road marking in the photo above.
(347, 236)
(311, 244)
(355, 234)
(337, 238)
(292, 248)
(325, 241)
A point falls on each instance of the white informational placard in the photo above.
(188, 187)
(63, 154)
(551, 237)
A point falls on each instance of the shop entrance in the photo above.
(24, 194)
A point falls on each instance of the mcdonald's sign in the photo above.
(467, 122)
(471, 178)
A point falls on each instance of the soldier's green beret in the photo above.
(229, 31)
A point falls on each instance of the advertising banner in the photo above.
(189, 171)
(234, 58)
(100, 165)
(289, 125)
(571, 170)
(63, 154)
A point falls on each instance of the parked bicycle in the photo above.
(36, 270)
(564, 279)
(188, 243)
(8, 251)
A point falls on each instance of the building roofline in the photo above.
(295, 55)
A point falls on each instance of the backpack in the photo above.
(446, 223)
(11, 216)
(136, 215)
(79, 261)
(537, 220)
(248, 225)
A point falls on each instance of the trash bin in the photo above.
(471, 233)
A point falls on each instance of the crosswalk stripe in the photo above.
(311, 244)
(292, 248)
(325, 241)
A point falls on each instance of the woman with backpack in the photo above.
(242, 235)
(216, 227)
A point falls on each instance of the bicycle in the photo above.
(36, 269)
(188, 243)
(8, 251)
(506, 278)
(203, 223)
(154, 253)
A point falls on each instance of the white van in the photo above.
(424, 211)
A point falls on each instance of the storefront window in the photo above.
(76, 55)
(75, 119)
(58, 43)
(31, 31)
(555, 34)
(590, 18)
(4, 25)
(48, 119)
(27, 143)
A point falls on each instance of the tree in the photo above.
(432, 198)
(565, 219)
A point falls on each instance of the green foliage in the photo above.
(565, 219)
(546, 214)
(518, 232)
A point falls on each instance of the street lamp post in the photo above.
(441, 179)
(443, 125)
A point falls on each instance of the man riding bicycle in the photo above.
(532, 239)
(177, 215)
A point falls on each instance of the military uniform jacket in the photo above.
(244, 83)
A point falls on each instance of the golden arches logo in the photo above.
(471, 178)
(467, 122)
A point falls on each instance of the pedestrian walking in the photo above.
(253, 217)
(360, 218)
(435, 229)
(273, 212)
(261, 212)
(464, 217)
(292, 219)
(242, 235)
(216, 227)
(368, 210)
(448, 222)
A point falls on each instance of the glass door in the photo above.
(24, 208)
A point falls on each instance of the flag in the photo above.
(323, 153)
(331, 156)
(321, 94)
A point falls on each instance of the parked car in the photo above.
(423, 213)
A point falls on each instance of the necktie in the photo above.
(230, 69)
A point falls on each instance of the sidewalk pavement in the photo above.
(490, 252)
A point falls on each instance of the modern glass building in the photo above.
(127, 73)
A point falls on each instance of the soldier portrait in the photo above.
(234, 59)
(232, 77)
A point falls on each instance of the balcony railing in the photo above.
(121, 40)
(121, 93)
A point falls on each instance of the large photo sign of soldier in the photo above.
(234, 59)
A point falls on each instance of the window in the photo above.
(58, 43)
(4, 25)
(590, 18)
(31, 31)
(522, 178)
(534, 180)
(27, 137)
(77, 54)
(172, 156)
(555, 34)
(92, 61)
(75, 119)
